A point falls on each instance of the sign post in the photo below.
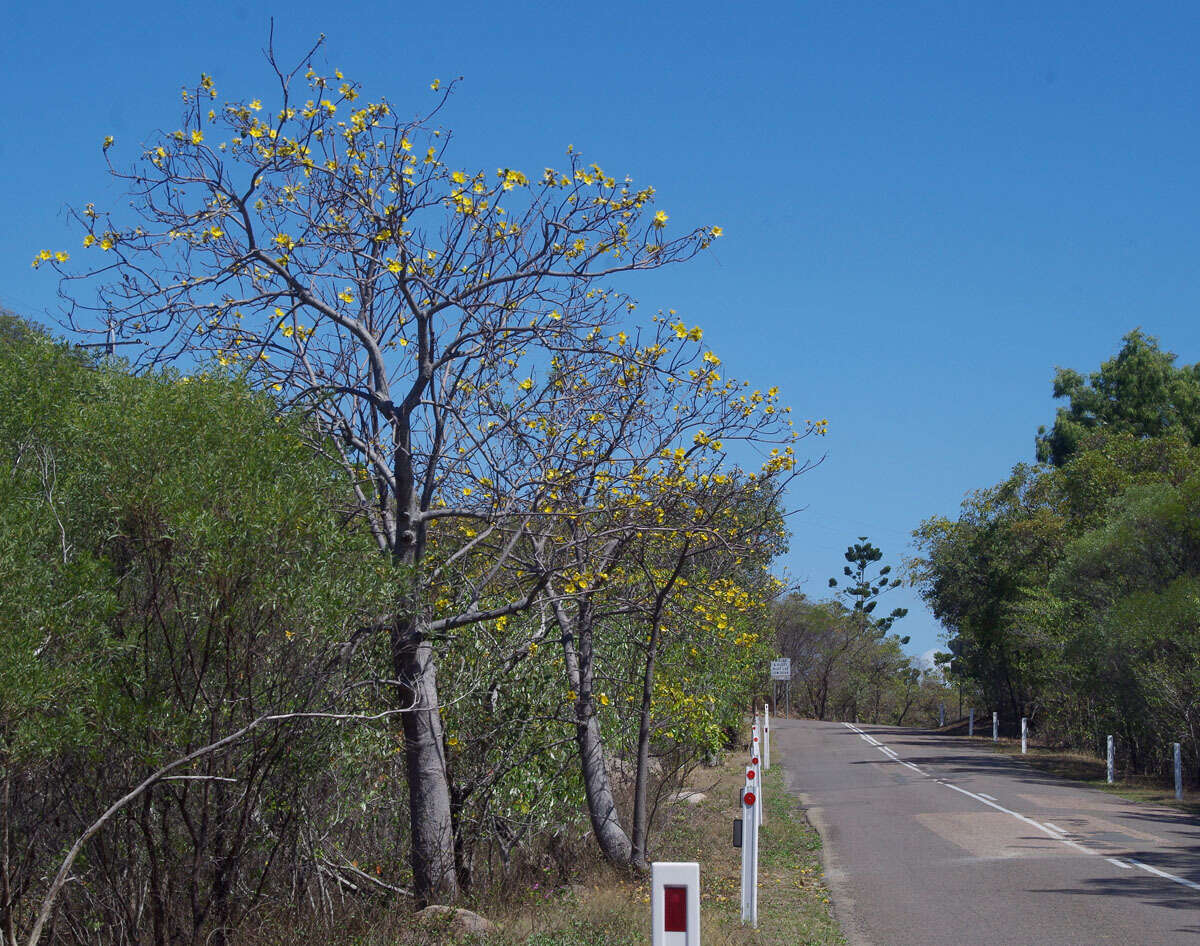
(781, 669)
(675, 904)
(749, 853)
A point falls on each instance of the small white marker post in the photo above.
(971, 724)
(941, 715)
(1178, 773)
(1111, 760)
(675, 904)
(749, 853)
(995, 726)
(766, 756)
(1024, 733)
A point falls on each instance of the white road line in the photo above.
(1048, 828)
(1162, 873)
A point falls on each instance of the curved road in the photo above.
(931, 841)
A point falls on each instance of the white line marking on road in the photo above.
(1163, 873)
(1049, 828)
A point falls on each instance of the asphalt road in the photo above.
(932, 842)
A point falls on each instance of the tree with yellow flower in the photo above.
(438, 322)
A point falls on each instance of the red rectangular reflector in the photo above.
(675, 909)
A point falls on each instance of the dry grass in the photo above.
(606, 907)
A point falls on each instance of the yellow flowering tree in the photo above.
(445, 326)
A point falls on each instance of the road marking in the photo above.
(1051, 824)
(1162, 873)
(989, 797)
(1121, 864)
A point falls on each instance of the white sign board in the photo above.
(781, 669)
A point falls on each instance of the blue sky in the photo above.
(926, 206)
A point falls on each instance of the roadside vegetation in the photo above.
(1071, 590)
(403, 560)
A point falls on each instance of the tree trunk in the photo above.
(602, 807)
(641, 783)
(432, 834)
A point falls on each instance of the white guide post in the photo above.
(1111, 760)
(1178, 774)
(766, 756)
(749, 853)
(941, 715)
(756, 766)
(1024, 733)
(971, 724)
(674, 904)
(995, 726)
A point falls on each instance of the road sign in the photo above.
(781, 669)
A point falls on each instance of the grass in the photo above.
(612, 909)
(608, 907)
(1093, 771)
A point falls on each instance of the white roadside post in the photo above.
(941, 715)
(1024, 733)
(995, 726)
(1178, 774)
(756, 767)
(971, 724)
(674, 904)
(1111, 760)
(749, 853)
(766, 756)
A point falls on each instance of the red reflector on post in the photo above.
(748, 799)
(750, 775)
(754, 761)
(674, 909)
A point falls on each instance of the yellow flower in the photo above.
(604, 699)
(108, 142)
(197, 136)
(716, 231)
(106, 243)
(346, 296)
(61, 257)
(256, 105)
(526, 385)
(435, 84)
(452, 741)
(660, 219)
(89, 240)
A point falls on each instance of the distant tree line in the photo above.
(846, 665)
